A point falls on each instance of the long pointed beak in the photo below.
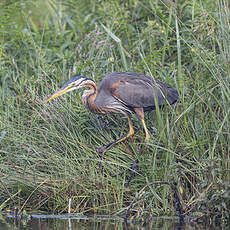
(73, 83)
(58, 93)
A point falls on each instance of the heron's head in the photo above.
(75, 82)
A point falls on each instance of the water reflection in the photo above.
(88, 224)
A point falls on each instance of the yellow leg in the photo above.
(147, 136)
(130, 133)
(131, 130)
(140, 114)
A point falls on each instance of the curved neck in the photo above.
(90, 95)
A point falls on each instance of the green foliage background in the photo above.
(45, 148)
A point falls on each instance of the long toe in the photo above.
(100, 150)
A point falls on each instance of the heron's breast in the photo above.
(109, 104)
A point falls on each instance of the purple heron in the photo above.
(121, 92)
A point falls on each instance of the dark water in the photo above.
(83, 223)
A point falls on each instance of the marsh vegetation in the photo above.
(45, 148)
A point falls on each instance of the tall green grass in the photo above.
(46, 148)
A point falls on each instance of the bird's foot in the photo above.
(99, 152)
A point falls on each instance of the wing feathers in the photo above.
(142, 93)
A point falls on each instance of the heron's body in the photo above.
(133, 90)
(122, 92)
